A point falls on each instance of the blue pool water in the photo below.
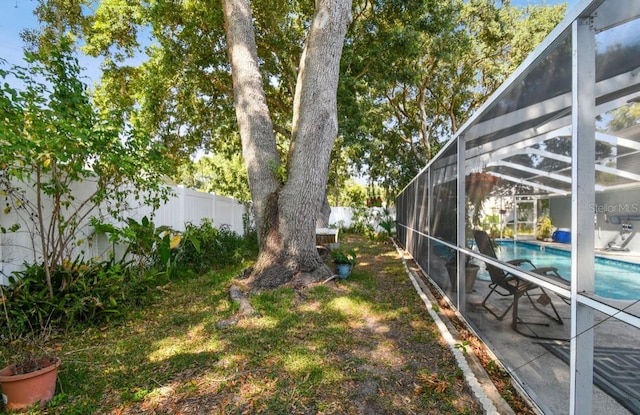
(614, 279)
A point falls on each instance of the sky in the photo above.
(16, 15)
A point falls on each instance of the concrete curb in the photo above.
(478, 380)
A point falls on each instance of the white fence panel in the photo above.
(342, 216)
(184, 206)
(230, 212)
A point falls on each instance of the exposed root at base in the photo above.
(274, 277)
(333, 277)
(245, 310)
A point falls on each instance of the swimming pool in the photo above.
(614, 279)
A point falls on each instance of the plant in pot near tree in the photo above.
(29, 382)
(31, 377)
(344, 262)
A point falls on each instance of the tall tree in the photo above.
(286, 208)
(284, 100)
(415, 71)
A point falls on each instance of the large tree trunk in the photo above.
(286, 215)
(254, 121)
(325, 213)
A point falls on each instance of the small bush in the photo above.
(82, 292)
(206, 247)
(95, 292)
(92, 292)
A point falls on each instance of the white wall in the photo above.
(616, 203)
(186, 205)
(344, 216)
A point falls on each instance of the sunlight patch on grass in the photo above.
(196, 340)
(362, 316)
(349, 306)
(166, 348)
(229, 362)
(298, 362)
(264, 322)
(311, 307)
(388, 353)
(257, 386)
(160, 393)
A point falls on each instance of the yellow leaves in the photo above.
(45, 159)
(7, 210)
(72, 266)
(175, 241)
(66, 264)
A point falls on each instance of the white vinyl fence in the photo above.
(191, 206)
(342, 216)
(184, 206)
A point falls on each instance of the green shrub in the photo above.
(206, 247)
(95, 292)
(84, 293)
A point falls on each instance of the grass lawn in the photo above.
(365, 345)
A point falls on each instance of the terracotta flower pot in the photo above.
(24, 390)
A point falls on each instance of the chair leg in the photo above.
(484, 304)
(557, 317)
(515, 319)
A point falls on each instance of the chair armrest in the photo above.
(552, 275)
(545, 270)
(518, 262)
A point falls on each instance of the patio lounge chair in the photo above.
(506, 284)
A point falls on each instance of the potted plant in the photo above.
(29, 382)
(344, 261)
(32, 378)
(544, 229)
(471, 272)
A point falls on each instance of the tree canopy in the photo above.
(412, 72)
(273, 75)
(415, 71)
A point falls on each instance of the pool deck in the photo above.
(543, 376)
(628, 256)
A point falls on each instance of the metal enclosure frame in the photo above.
(513, 134)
